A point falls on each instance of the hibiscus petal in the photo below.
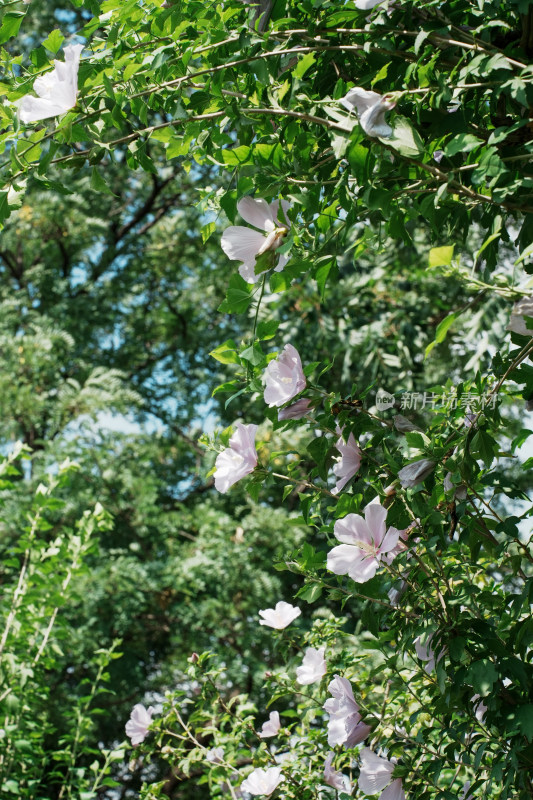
(340, 559)
(394, 791)
(375, 772)
(356, 733)
(363, 569)
(242, 244)
(390, 540)
(256, 212)
(352, 529)
(285, 206)
(360, 99)
(375, 516)
(33, 109)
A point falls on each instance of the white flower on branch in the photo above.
(425, 653)
(345, 725)
(349, 462)
(56, 90)
(271, 726)
(245, 244)
(371, 108)
(280, 616)
(237, 460)
(296, 410)
(366, 542)
(284, 377)
(334, 778)
(404, 425)
(522, 309)
(375, 775)
(139, 722)
(313, 667)
(215, 755)
(262, 781)
(416, 472)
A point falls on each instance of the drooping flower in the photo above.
(404, 425)
(280, 616)
(460, 491)
(416, 472)
(139, 722)
(296, 410)
(480, 709)
(334, 778)
(237, 460)
(313, 667)
(244, 244)
(349, 462)
(345, 725)
(425, 653)
(271, 726)
(215, 755)
(465, 793)
(375, 775)
(284, 377)
(262, 781)
(56, 90)
(366, 542)
(371, 108)
(522, 309)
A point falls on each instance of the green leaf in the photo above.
(405, 139)
(463, 143)
(311, 592)
(238, 297)
(98, 184)
(10, 25)
(267, 329)
(54, 41)
(253, 354)
(482, 675)
(524, 716)
(443, 327)
(440, 333)
(441, 256)
(226, 353)
(238, 156)
(207, 231)
(304, 63)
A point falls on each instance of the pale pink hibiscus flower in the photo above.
(244, 244)
(366, 542)
(296, 410)
(139, 722)
(271, 726)
(371, 108)
(345, 725)
(416, 472)
(57, 90)
(284, 377)
(280, 616)
(349, 462)
(262, 781)
(215, 755)
(376, 774)
(334, 778)
(237, 460)
(313, 667)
